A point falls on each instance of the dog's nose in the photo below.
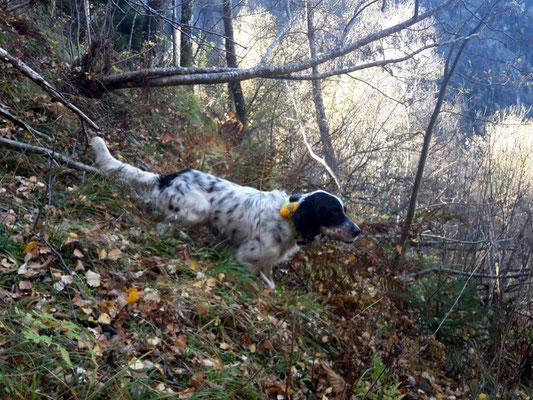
(355, 230)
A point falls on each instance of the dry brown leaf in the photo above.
(25, 285)
(399, 249)
(79, 266)
(202, 310)
(114, 254)
(180, 344)
(30, 269)
(102, 254)
(187, 393)
(335, 380)
(104, 319)
(78, 253)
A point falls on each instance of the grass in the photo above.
(200, 326)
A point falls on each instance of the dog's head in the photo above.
(323, 213)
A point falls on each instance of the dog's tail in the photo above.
(106, 162)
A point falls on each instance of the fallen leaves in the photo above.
(114, 254)
(78, 253)
(180, 344)
(104, 318)
(25, 285)
(133, 295)
(102, 254)
(93, 278)
(29, 247)
(335, 380)
(32, 268)
(202, 310)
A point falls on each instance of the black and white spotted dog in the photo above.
(261, 228)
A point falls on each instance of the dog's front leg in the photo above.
(266, 275)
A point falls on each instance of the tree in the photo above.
(186, 33)
(449, 69)
(154, 31)
(322, 122)
(234, 86)
(159, 77)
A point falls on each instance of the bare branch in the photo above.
(13, 144)
(34, 76)
(461, 273)
(306, 141)
(191, 76)
(281, 33)
(373, 64)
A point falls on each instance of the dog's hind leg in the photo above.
(183, 212)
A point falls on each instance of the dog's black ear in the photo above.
(295, 197)
(306, 221)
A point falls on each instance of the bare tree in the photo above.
(154, 31)
(322, 122)
(186, 33)
(160, 77)
(449, 69)
(234, 86)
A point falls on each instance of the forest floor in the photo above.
(94, 304)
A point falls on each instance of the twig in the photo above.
(374, 382)
(291, 354)
(63, 263)
(17, 6)
(463, 273)
(41, 150)
(307, 144)
(4, 112)
(278, 37)
(38, 79)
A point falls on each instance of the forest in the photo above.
(417, 113)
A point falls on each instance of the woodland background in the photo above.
(418, 113)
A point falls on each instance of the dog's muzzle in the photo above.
(347, 232)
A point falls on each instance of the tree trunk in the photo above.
(87, 14)
(186, 34)
(175, 59)
(323, 126)
(154, 31)
(235, 89)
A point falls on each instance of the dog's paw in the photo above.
(270, 283)
(164, 229)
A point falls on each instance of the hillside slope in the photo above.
(94, 304)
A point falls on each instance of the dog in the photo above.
(261, 228)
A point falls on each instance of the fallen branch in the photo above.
(38, 79)
(463, 273)
(4, 112)
(13, 144)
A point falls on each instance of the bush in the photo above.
(431, 300)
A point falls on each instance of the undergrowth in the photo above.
(95, 305)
